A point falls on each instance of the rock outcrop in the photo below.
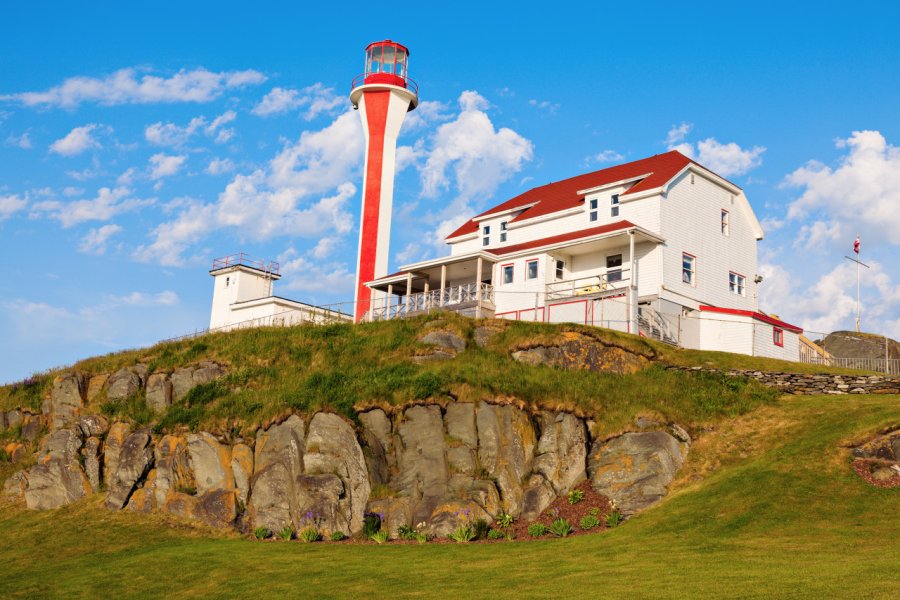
(579, 351)
(58, 478)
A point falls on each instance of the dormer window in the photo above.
(486, 235)
(502, 231)
(614, 206)
(593, 211)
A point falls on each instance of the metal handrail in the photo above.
(592, 284)
(242, 258)
(408, 82)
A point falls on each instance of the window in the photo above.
(503, 231)
(614, 206)
(531, 269)
(486, 232)
(725, 223)
(778, 336)
(227, 281)
(689, 269)
(614, 268)
(737, 284)
(593, 213)
(560, 269)
(507, 273)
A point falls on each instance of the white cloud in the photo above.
(817, 234)
(19, 141)
(127, 177)
(283, 200)
(678, 133)
(217, 166)
(174, 136)
(324, 247)
(861, 194)
(165, 165)
(427, 113)
(410, 253)
(127, 87)
(545, 105)
(76, 141)
(164, 298)
(723, 159)
(605, 156)
(9, 205)
(472, 156)
(317, 99)
(107, 204)
(310, 275)
(96, 239)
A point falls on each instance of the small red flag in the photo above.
(856, 245)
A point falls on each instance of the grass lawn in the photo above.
(767, 507)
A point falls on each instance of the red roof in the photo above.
(563, 237)
(756, 315)
(561, 195)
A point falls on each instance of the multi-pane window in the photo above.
(726, 223)
(614, 268)
(737, 284)
(507, 271)
(778, 336)
(560, 269)
(614, 206)
(531, 269)
(486, 235)
(502, 231)
(689, 268)
(593, 212)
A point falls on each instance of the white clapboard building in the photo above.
(660, 246)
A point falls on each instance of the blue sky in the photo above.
(138, 144)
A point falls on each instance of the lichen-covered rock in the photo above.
(112, 446)
(123, 384)
(159, 392)
(578, 351)
(379, 448)
(445, 340)
(278, 464)
(393, 512)
(92, 457)
(182, 381)
(173, 471)
(16, 452)
(422, 463)
(537, 495)
(32, 428)
(242, 470)
(96, 384)
(506, 443)
(635, 469)
(211, 463)
(484, 333)
(134, 461)
(93, 426)
(66, 399)
(57, 479)
(332, 448)
(561, 451)
(14, 487)
(207, 372)
(460, 422)
(448, 515)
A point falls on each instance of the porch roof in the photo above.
(584, 235)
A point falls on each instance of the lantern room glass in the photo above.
(387, 59)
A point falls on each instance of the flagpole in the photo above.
(857, 293)
(859, 263)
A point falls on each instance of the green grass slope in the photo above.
(773, 511)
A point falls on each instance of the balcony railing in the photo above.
(452, 298)
(598, 285)
(242, 258)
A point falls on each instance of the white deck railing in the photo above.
(451, 298)
(591, 284)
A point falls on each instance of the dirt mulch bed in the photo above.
(573, 513)
(864, 467)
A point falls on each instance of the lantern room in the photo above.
(387, 63)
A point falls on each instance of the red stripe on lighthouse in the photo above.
(376, 105)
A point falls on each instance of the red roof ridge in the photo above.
(759, 316)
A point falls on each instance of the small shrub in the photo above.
(421, 537)
(575, 496)
(537, 529)
(286, 534)
(190, 490)
(613, 519)
(381, 491)
(465, 529)
(594, 512)
(309, 534)
(589, 522)
(380, 536)
(481, 529)
(560, 527)
(406, 532)
(371, 524)
(504, 520)
(262, 533)
(496, 534)
(338, 536)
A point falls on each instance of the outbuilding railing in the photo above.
(889, 366)
(592, 284)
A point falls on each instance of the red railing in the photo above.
(388, 78)
(241, 258)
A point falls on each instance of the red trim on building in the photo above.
(563, 237)
(756, 315)
(376, 102)
(778, 336)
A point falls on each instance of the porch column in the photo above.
(443, 284)
(632, 292)
(408, 290)
(425, 296)
(478, 267)
(388, 301)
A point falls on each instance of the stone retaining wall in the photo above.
(805, 383)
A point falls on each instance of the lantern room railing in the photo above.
(388, 78)
(242, 258)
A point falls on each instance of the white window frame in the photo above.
(486, 235)
(725, 223)
(528, 263)
(594, 212)
(689, 276)
(508, 268)
(559, 269)
(737, 283)
(502, 231)
(614, 206)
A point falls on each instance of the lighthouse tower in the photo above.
(383, 94)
